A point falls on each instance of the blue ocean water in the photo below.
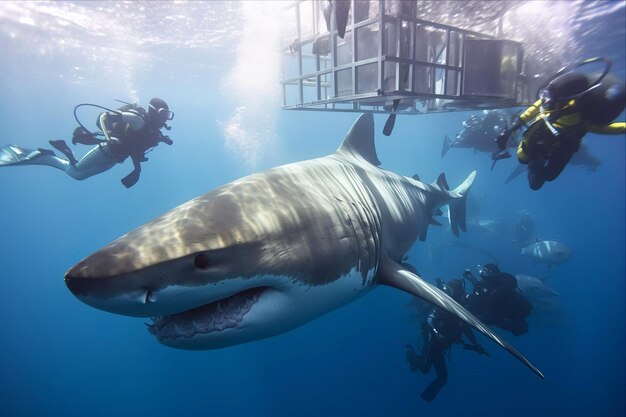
(61, 357)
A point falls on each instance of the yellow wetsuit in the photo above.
(552, 137)
(569, 128)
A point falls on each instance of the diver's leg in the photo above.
(556, 164)
(13, 155)
(439, 362)
(425, 359)
(536, 175)
(411, 357)
(62, 147)
(97, 160)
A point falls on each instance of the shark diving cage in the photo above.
(377, 56)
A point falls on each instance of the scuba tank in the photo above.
(127, 107)
(604, 103)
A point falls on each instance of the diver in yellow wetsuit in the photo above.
(568, 107)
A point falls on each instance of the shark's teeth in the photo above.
(214, 317)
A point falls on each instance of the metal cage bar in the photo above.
(339, 77)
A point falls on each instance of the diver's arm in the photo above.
(473, 342)
(616, 128)
(102, 120)
(165, 139)
(467, 274)
(528, 114)
(132, 178)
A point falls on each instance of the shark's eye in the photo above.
(201, 261)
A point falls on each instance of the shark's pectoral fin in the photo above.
(395, 275)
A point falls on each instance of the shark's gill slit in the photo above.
(217, 316)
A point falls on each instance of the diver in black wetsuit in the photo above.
(130, 131)
(440, 330)
(496, 300)
(567, 108)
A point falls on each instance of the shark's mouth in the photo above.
(214, 317)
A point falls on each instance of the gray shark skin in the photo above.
(534, 288)
(549, 252)
(271, 251)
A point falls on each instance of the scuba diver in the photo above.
(478, 131)
(129, 131)
(440, 330)
(496, 299)
(569, 105)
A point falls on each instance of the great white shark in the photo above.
(274, 250)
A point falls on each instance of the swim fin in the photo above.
(391, 120)
(342, 13)
(15, 155)
(519, 169)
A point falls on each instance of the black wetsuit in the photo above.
(440, 331)
(496, 301)
(134, 144)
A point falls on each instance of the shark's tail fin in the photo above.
(458, 205)
(446, 145)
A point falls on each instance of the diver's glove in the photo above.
(131, 179)
(503, 138)
(496, 156)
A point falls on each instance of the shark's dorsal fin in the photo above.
(359, 142)
(442, 182)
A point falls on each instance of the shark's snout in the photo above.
(114, 295)
(105, 280)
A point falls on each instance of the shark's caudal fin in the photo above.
(446, 146)
(359, 143)
(392, 274)
(457, 201)
(457, 212)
